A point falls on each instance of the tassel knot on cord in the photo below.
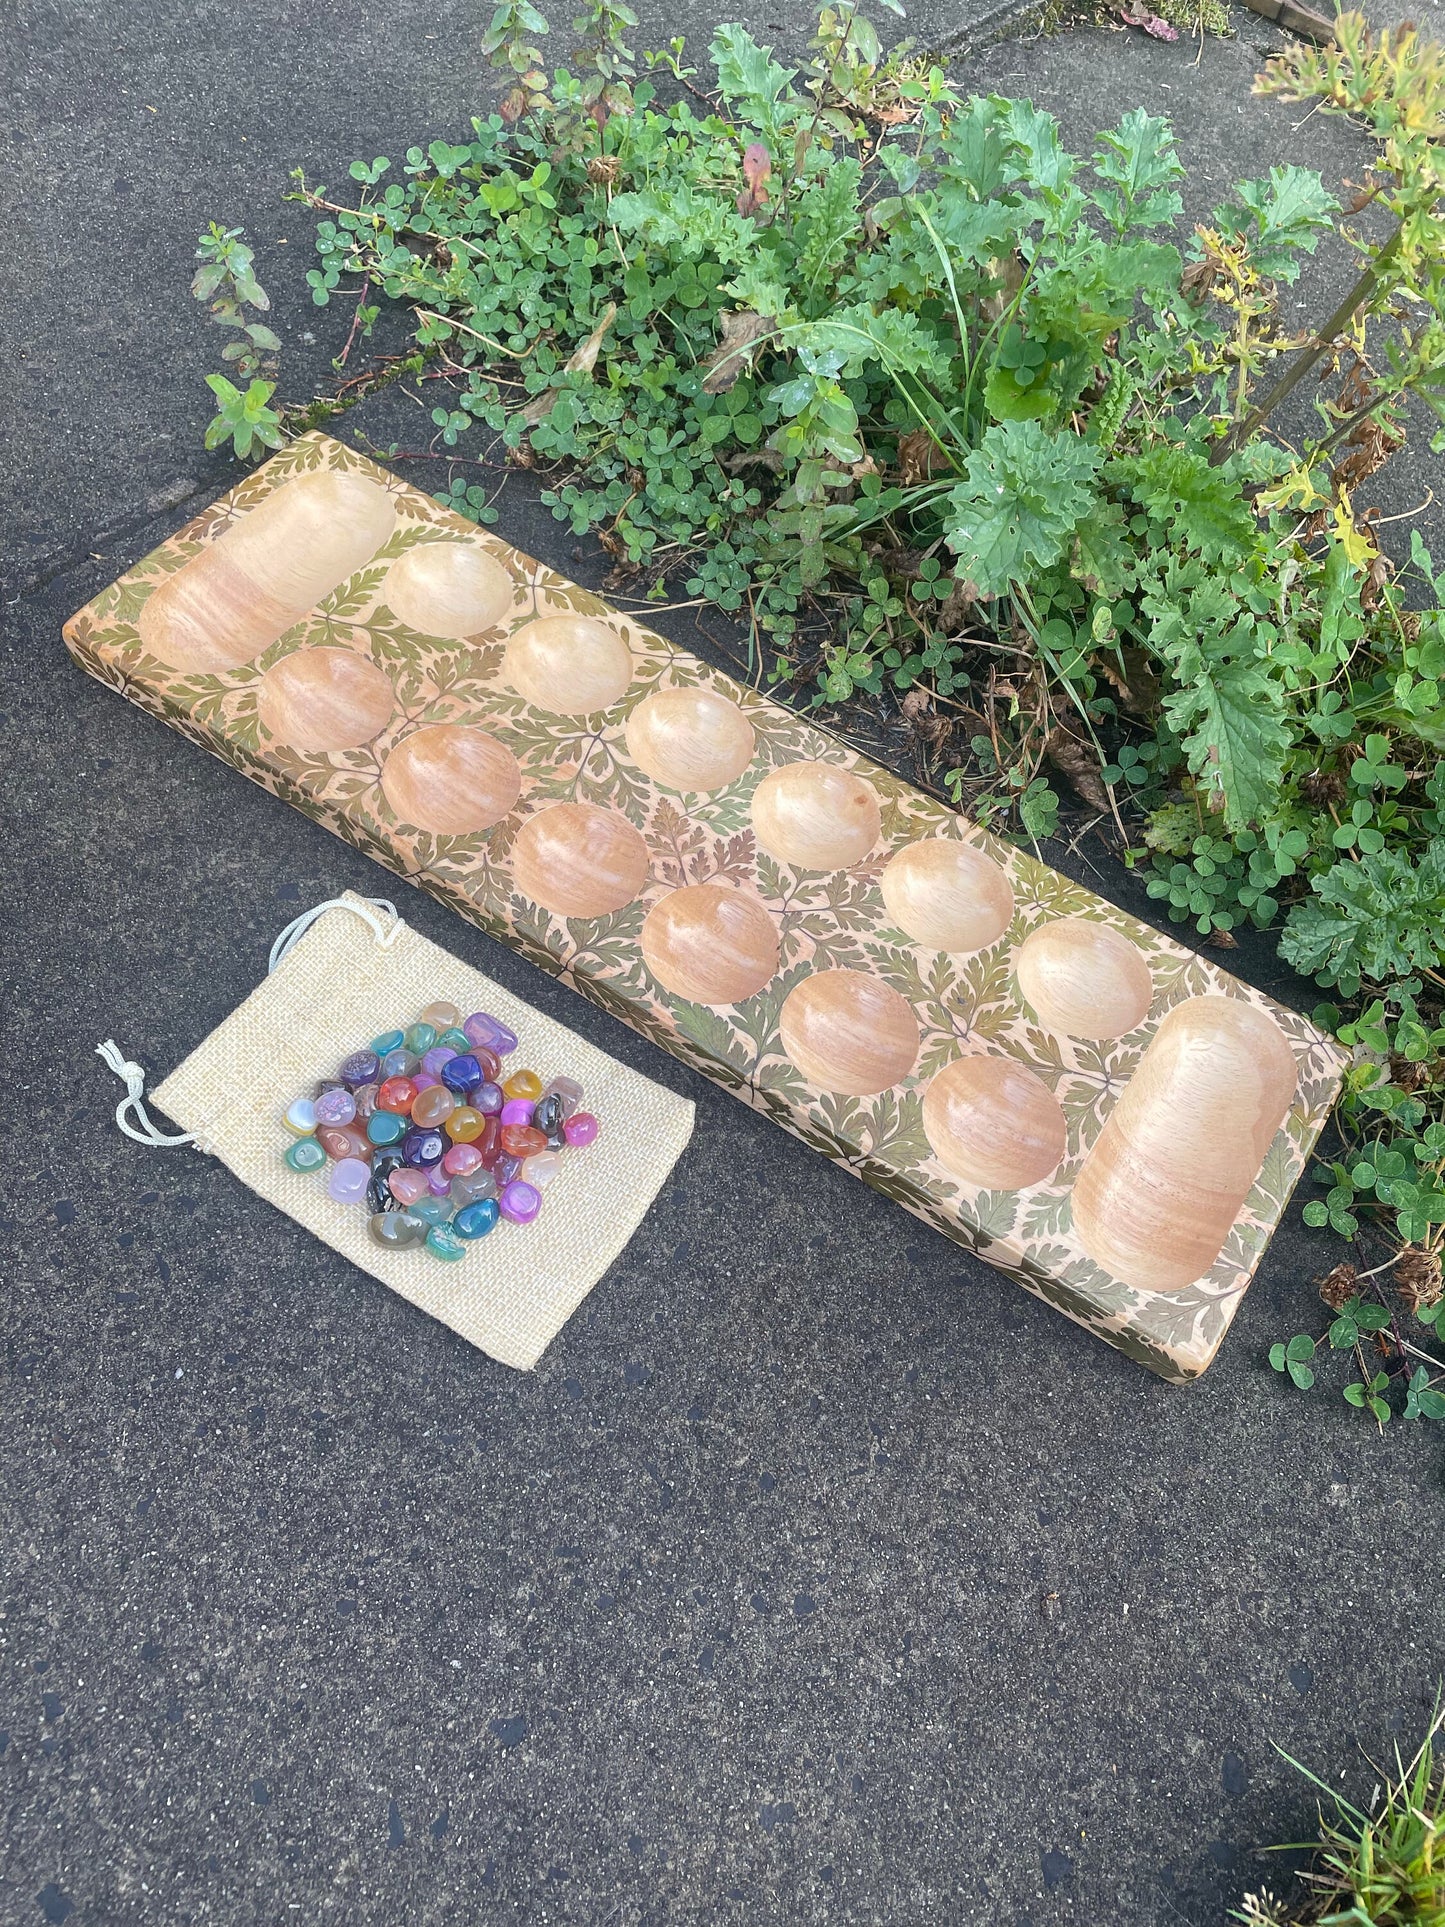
(131, 1114)
(143, 1130)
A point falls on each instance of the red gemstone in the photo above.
(397, 1094)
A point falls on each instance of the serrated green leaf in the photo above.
(1026, 491)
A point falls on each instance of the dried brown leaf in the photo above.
(919, 456)
(1078, 763)
(1137, 685)
(581, 362)
(742, 332)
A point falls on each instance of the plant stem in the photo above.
(1309, 357)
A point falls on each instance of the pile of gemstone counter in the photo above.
(423, 1129)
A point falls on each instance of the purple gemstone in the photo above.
(362, 1067)
(348, 1180)
(335, 1107)
(520, 1201)
(438, 1055)
(461, 1074)
(505, 1167)
(488, 1034)
(424, 1148)
(517, 1111)
(424, 1081)
(438, 1181)
(488, 1099)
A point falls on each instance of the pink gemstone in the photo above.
(438, 1181)
(580, 1129)
(518, 1110)
(462, 1160)
(521, 1201)
(408, 1186)
(424, 1081)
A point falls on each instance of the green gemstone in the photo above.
(420, 1038)
(397, 1229)
(305, 1155)
(456, 1040)
(443, 1242)
(386, 1127)
(388, 1040)
(436, 1211)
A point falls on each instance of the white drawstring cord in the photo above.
(363, 908)
(143, 1130)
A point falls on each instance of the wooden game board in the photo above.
(1092, 1108)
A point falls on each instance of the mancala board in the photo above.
(1086, 1104)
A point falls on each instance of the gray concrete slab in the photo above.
(818, 1574)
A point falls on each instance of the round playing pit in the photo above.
(710, 944)
(848, 1032)
(324, 699)
(451, 779)
(815, 816)
(448, 589)
(569, 665)
(690, 739)
(578, 860)
(993, 1122)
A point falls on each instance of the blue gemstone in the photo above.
(461, 1074)
(389, 1040)
(476, 1220)
(385, 1127)
(443, 1242)
(423, 1148)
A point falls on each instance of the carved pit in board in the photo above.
(1084, 979)
(569, 665)
(578, 860)
(994, 1122)
(448, 589)
(325, 699)
(948, 895)
(1159, 1192)
(242, 592)
(710, 944)
(848, 1032)
(690, 739)
(451, 779)
(815, 816)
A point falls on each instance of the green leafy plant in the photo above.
(1378, 1867)
(1383, 1335)
(227, 283)
(965, 433)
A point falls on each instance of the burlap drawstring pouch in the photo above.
(343, 973)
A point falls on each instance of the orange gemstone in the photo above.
(463, 1124)
(433, 1105)
(521, 1140)
(345, 1141)
(397, 1094)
